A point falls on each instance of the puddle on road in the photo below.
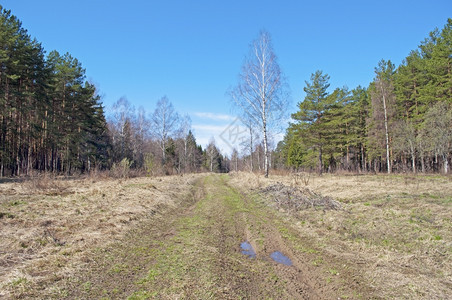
(248, 250)
(281, 258)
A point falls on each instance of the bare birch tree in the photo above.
(405, 141)
(164, 123)
(183, 135)
(121, 129)
(212, 155)
(248, 144)
(260, 93)
(437, 131)
(235, 159)
(383, 102)
(141, 135)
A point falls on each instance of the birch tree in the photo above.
(164, 123)
(121, 129)
(383, 102)
(212, 154)
(260, 93)
(437, 131)
(183, 135)
(405, 141)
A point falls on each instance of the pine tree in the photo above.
(310, 117)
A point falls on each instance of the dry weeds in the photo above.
(397, 228)
(296, 198)
(47, 225)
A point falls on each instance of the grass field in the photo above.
(179, 237)
(397, 229)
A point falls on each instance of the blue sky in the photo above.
(192, 51)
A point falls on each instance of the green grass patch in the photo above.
(142, 295)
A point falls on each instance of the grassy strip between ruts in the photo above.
(202, 260)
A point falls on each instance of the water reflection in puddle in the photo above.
(281, 258)
(248, 250)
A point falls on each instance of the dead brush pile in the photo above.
(297, 199)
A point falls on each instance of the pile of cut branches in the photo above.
(298, 198)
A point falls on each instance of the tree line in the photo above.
(161, 143)
(401, 122)
(53, 120)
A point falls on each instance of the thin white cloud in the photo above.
(214, 116)
(213, 129)
(226, 136)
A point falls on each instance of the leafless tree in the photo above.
(384, 95)
(383, 103)
(247, 144)
(164, 123)
(141, 130)
(405, 141)
(183, 136)
(212, 153)
(121, 128)
(235, 159)
(260, 93)
(123, 112)
(437, 131)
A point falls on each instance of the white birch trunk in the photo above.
(388, 160)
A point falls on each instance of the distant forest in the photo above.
(401, 122)
(53, 120)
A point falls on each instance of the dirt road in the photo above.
(194, 251)
(235, 236)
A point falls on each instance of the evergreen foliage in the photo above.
(51, 118)
(400, 122)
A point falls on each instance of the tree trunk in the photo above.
(251, 149)
(413, 159)
(185, 155)
(422, 163)
(363, 160)
(446, 164)
(347, 158)
(388, 160)
(259, 159)
(270, 160)
(320, 161)
(163, 151)
(265, 149)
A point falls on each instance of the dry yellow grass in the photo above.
(394, 230)
(48, 225)
(397, 228)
